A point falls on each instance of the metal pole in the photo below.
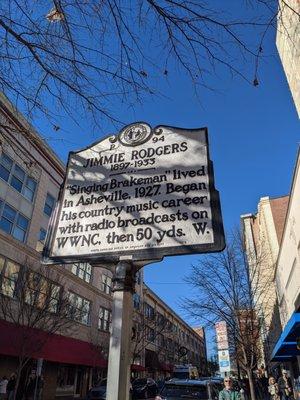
(120, 339)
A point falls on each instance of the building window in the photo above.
(169, 326)
(29, 188)
(160, 340)
(161, 320)
(6, 164)
(9, 272)
(49, 204)
(138, 278)
(136, 301)
(170, 344)
(79, 308)
(17, 177)
(41, 240)
(83, 271)
(42, 293)
(104, 321)
(149, 311)
(106, 284)
(13, 222)
(150, 334)
(66, 375)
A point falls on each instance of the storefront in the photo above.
(137, 371)
(286, 353)
(68, 364)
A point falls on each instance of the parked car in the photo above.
(177, 389)
(144, 388)
(98, 392)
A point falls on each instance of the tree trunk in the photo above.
(21, 365)
(17, 381)
(251, 385)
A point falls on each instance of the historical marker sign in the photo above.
(145, 192)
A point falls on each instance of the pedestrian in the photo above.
(3, 387)
(228, 393)
(11, 386)
(263, 383)
(30, 387)
(273, 389)
(285, 386)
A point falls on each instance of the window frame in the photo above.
(149, 311)
(41, 242)
(37, 293)
(16, 178)
(136, 301)
(78, 270)
(2, 165)
(105, 286)
(12, 175)
(3, 277)
(150, 334)
(80, 310)
(49, 195)
(104, 321)
(26, 187)
(15, 223)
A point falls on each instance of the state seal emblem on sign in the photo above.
(135, 134)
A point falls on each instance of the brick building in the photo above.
(262, 234)
(275, 231)
(73, 359)
(163, 339)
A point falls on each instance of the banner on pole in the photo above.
(224, 360)
(145, 192)
(221, 334)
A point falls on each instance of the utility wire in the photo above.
(167, 283)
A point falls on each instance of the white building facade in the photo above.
(287, 278)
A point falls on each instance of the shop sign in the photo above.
(144, 193)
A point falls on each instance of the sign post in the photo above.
(131, 199)
(223, 346)
(119, 347)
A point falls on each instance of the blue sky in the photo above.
(253, 134)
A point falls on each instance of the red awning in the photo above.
(137, 367)
(39, 344)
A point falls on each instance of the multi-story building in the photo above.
(274, 232)
(164, 339)
(30, 178)
(74, 357)
(262, 235)
(287, 278)
(288, 45)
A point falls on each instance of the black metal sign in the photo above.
(146, 193)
